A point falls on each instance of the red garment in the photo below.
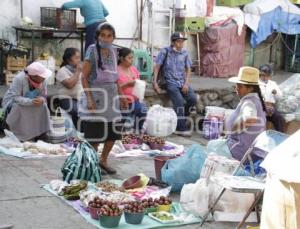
(127, 91)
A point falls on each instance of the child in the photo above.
(271, 92)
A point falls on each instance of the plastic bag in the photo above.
(194, 198)
(82, 164)
(290, 101)
(139, 89)
(160, 121)
(185, 169)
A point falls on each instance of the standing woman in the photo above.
(69, 78)
(99, 108)
(93, 12)
(25, 103)
(247, 121)
(135, 109)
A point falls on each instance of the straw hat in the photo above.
(247, 75)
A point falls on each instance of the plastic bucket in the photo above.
(110, 221)
(159, 162)
(134, 218)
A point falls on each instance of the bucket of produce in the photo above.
(134, 212)
(110, 215)
(94, 207)
(159, 162)
(149, 205)
(165, 204)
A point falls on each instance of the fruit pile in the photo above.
(134, 207)
(106, 208)
(149, 203)
(163, 200)
(151, 139)
(129, 139)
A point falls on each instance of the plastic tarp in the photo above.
(185, 169)
(264, 19)
(221, 47)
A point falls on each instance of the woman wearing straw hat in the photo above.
(247, 121)
(25, 103)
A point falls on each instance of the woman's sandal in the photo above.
(108, 169)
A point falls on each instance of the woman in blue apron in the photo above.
(247, 121)
(99, 107)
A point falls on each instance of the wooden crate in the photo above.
(15, 63)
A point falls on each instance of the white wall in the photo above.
(10, 15)
(123, 15)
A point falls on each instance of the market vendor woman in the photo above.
(247, 121)
(99, 108)
(25, 102)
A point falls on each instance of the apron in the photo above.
(103, 84)
(27, 122)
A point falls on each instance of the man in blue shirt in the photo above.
(93, 12)
(177, 71)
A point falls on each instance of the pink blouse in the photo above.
(127, 91)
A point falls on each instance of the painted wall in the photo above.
(123, 15)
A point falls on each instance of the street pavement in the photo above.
(26, 205)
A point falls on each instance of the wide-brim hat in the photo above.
(247, 75)
(37, 69)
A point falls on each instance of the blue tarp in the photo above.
(275, 20)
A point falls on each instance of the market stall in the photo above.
(122, 204)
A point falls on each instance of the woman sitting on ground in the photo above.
(26, 105)
(247, 121)
(127, 76)
(69, 78)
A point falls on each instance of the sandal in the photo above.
(108, 169)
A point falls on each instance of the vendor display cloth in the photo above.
(147, 221)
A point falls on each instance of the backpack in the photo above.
(82, 164)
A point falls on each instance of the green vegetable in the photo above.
(163, 216)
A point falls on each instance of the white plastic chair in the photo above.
(265, 141)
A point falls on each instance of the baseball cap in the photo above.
(37, 69)
(177, 35)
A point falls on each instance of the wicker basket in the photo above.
(58, 18)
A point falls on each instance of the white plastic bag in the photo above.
(139, 89)
(194, 198)
(160, 121)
